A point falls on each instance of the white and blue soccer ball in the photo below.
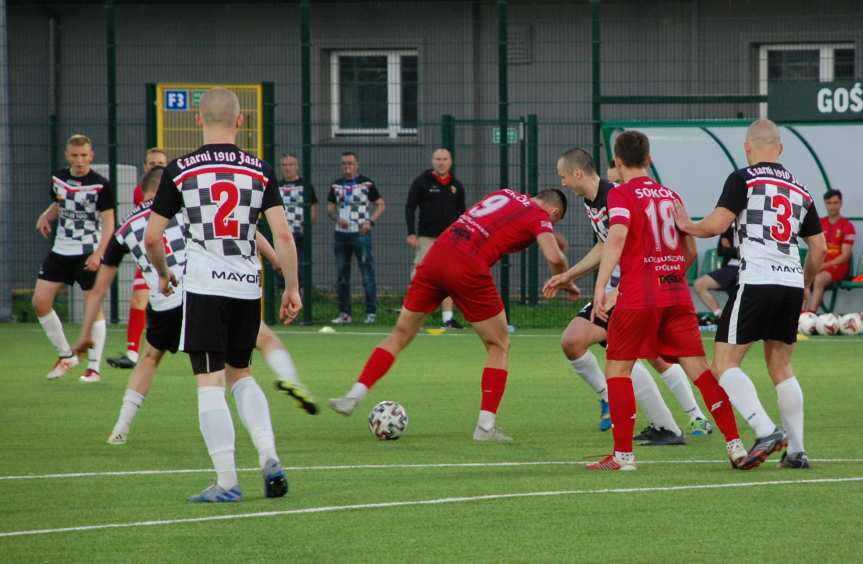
(388, 420)
(806, 323)
(827, 324)
(850, 324)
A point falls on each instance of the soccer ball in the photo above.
(806, 323)
(388, 421)
(850, 324)
(827, 324)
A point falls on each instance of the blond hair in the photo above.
(78, 140)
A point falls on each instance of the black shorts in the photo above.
(760, 312)
(585, 314)
(217, 324)
(726, 277)
(164, 327)
(67, 269)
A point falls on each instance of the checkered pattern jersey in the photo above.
(597, 210)
(354, 203)
(293, 196)
(78, 226)
(131, 236)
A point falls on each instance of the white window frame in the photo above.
(394, 93)
(825, 61)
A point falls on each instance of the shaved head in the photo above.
(219, 107)
(763, 133)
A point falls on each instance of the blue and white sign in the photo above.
(176, 100)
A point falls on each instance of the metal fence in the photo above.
(507, 85)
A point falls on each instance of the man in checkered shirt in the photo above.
(221, 191)
(297, 193)
(771, 210)
(349, 204)
(83, 205)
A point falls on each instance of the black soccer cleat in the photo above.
(646, 434)
(452, 324)
(796, 461)
(121, 362)
(662, 437)
(763, 448)
(275, 481)
(302, 396)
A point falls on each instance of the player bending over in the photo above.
(653, 316)
(577, 172)
(459, 265)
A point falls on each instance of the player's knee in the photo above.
(41, 305)
(152, 355)
(139, 300)
(702, 284)
(573, 346)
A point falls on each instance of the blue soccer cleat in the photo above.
(604, 416)
(275, 481)
(217, 494)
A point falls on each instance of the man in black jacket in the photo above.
(440, 199)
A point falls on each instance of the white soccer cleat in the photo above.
(736, 452)
(63, 364)
(491, 435)
(90, 376)
(344, 405)
(117, 438)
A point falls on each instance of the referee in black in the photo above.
(440, 199)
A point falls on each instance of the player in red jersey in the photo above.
(459, 265)
(654, 316)
(839, 233)
(140, 292)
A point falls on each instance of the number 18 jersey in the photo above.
(652, 266)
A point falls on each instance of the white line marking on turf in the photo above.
(383, 467)
(420, 502)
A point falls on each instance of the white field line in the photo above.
(382, 467)
(421, 502)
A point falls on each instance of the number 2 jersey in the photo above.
(773, 210)
(221, 191)
(652, 265)
(503, 222)
(129, 238)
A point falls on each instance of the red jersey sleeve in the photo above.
(541, 225)
(137, 196)
(850, 233)
(618, 209)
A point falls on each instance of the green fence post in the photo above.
(532, 141)
(503, 123)
(306, 99)
(596, 102)
(447, 135)
(111, 71)
(269, 150)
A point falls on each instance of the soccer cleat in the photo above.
(763, 448)
(612, 463)
(662, 437)
(604, 416)
(217, 494)
(89, 376)
(370, 318)
(736, 452)
(117, 438)
(303, 397)
(700, 427)
(63, 364)
(275, 481)
(797, 461)
(495, 435)
(341, 319)
(121, 361)
(452, 324)
(647, 433)
(344, 405)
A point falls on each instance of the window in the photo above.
(374, 93)
(824, 62)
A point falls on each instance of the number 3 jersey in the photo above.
(773, 210)
(221, 191)
(129, 238)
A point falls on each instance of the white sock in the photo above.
(486, 420)
(218, 431)
(588, 368)
(446, 315)
(744, 398)
(132, 402)
(358, 391)
(94, 354)
(255, 414)
(53, 327)
(650, 400)
(790, 399)
(676, 380)
(283, 365)
(132, 355)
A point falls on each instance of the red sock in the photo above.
(718, 404)
(137, 322)
(621, 403)
(377, 365)
(493, 386)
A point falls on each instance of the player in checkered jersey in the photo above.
(221, 191)
(83, 205)
(771, 211)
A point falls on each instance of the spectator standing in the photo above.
(296, 194)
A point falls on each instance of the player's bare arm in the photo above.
(333, 214)
(266, 250)
(610, 257)
(43, 222)
(557, 263)
(286, 252)
(153, 240)
(714, 224)
(844, 256)
(93, 305)
(586, 265)
(107, 231)
(814, 258)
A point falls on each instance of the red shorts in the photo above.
(139, 283)
(447, 272)
(667, 332)
(838, 273)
